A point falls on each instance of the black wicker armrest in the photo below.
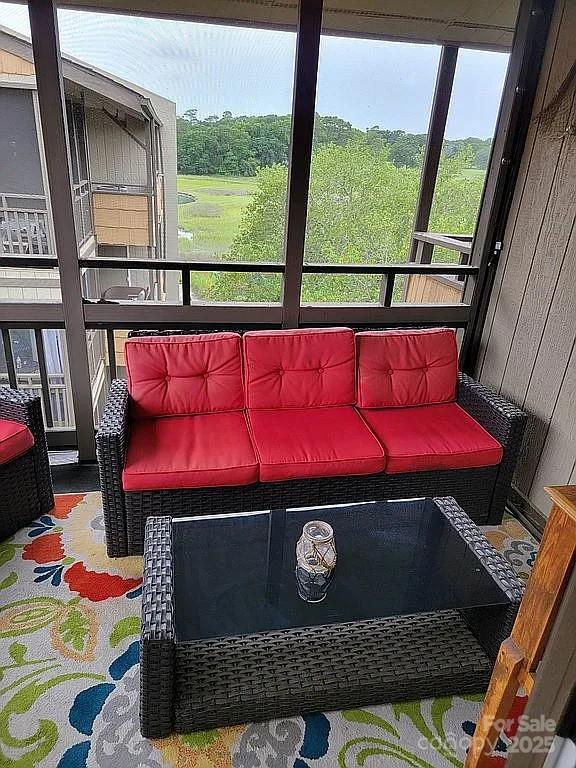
(23, 408)
(157, 636)
(111, 442)
(498, 416)
(27, 409)
(505, 422)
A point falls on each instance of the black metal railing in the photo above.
(24, 225)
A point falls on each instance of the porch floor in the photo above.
(69, 625)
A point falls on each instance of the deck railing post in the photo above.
(46, 48)
(434, 140)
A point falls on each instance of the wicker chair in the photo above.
(25, 481)
(482, 491)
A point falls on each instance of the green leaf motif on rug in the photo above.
(28, 615)
(17, 652)
(75, 631)
(361, 748)
(43, 740)
(7, 552)
(200, 739)
(12, 578)
(374, 746)
(126, 627)
(73, 624)
(369, 718)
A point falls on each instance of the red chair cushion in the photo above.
(403, 368)
(313, 442)
(432, 437)
(15, 439)
(309, 368)
(184, 375)
(189, 452)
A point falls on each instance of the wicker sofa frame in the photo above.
(203, 684)
(481, 492)
(25, 482)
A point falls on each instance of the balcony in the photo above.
(25, 225)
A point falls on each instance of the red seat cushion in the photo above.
(189, 452)
(406, 367)
(184, 375)
(432, 437)
(15, 439)
(313, 442)
(308, 368)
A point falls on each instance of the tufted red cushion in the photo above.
(183, 375)
(210, 449)
(406, 367)
(432, 437)
(309, 368)
(313, 442)
(15, 439)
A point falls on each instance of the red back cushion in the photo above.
(306, 368)
(408, 367)
(179, 375)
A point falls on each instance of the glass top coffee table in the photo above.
(417, 606)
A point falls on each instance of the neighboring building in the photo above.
(123, 165)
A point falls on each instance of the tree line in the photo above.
(239, 146)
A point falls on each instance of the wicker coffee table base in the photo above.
(191, 686)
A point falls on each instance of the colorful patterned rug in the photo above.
(69, 624)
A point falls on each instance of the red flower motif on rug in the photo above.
(44, 549)
(76, 552)
(97, 586)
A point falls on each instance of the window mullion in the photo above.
(303, 110)
(47, 62)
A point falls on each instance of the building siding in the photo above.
(528, 345)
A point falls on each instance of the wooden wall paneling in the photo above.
(557, 460)
(546, 265)
(488, 365)
(10, 64)
(545, 379)
(534, 206)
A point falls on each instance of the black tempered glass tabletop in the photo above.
(235, 574)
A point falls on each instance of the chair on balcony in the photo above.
(25, 481)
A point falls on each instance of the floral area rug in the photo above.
(69, 625)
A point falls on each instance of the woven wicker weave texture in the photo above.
(25, 482)
(255, 677)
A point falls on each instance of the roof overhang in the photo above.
(108, 88)
(487, 24)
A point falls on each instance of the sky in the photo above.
(213, 68)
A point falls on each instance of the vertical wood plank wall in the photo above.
(528, 346)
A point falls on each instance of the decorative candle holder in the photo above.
(315, 560)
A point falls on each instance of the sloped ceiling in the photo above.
(479, 23)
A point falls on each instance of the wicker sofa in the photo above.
(25, 481)
(216, 423)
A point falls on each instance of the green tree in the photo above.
(360, 210)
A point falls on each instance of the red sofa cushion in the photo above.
(15, 439)
(184, 375)
(406, 367)
(306, 368)
(200, 451)
(313, 442)
(432, 437)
